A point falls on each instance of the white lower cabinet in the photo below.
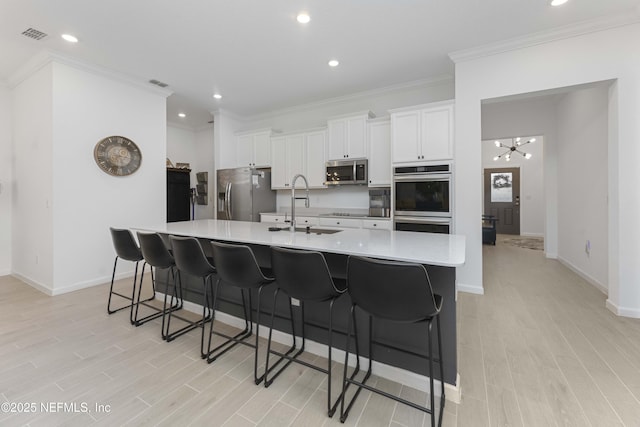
(303, 221)
(341, 222)
(375, 224)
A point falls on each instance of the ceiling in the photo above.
(260, 58)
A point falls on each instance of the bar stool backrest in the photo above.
(125, 245)
(190, 257)
(236, 265)
(154, 250)
(304, 275)
(391, 290)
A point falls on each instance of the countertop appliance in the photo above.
(380, 202)
(243, 193)
(423, 198)
(345, 172)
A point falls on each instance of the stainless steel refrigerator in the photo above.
(243, 193)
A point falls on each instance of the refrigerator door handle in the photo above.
(228, 199)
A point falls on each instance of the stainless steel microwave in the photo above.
(343, 172)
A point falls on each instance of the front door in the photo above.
(502, 198)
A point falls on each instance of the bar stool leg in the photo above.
(431, 396)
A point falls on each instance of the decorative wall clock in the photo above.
(117, 155)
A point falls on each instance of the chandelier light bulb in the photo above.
(532, 140)
(497, 143)
(527, 156)
(495, 159)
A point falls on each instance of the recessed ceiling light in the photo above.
(183, 115)
(303, 18)
(70, 38)
(334, 63)
(217, 96)
(558, 2)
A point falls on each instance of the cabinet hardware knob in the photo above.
(338, 222)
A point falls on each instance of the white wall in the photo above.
(181, 147)
(532, 116)
(532, 203)
(592, 57)
(345, 197)
(32, 221)
(205, 162)
(582, 182)
(6, 179)
(87, 108)
(64, 204)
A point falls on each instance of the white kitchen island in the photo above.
(439, 253)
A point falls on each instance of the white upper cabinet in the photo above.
(379, 153)
(315, 145)
(348, 136)
(301, 153)
(423, 133)
(254, 149)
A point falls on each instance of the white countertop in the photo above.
(426, 248)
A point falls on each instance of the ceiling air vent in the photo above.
(158, 83)
(32, 33)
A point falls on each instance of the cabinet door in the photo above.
(405, 137)
(437, 133)
(271, 218)
(356, 137)
(379, 154)
(374, 224)
(244, 150)
(337, 139)
(341, 222)
(295, 157)
(315, 152)
(279, 163)
(262, 149)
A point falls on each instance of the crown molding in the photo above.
(226, 113)
(565, 32)
(202, 128)
(45, 57)
(180, 126)
(412, 85)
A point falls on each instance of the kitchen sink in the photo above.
(313, 230)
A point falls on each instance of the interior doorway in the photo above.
(502, 198)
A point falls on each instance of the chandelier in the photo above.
(516, 144)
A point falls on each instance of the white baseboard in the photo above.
(532, 234)
(34, 284)
(551, 255)
(623, 311)
(75, 287)
(6, 272)
(590, 279)
(402, 376)
(470, 289)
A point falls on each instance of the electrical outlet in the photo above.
(587, 247)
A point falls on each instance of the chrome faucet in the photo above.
(294, 198)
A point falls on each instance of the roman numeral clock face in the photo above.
(117, 155)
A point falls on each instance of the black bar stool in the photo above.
(237, 266)
(398, 292)
(303, 275)
(156, 255)
(190, 259)
(128, 250)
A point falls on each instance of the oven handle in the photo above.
(423, 220)
(430, 177)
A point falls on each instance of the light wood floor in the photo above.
(538, 349)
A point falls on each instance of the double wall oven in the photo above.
(423, 198)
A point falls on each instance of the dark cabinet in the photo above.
(178, 195)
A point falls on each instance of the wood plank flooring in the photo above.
(538, 349)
